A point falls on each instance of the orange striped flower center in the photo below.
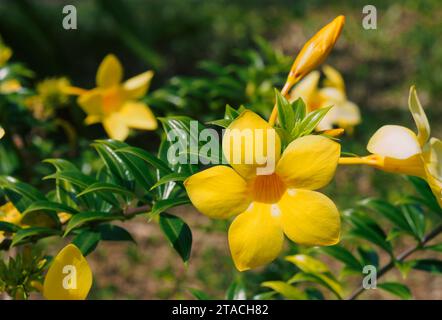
(267, 188)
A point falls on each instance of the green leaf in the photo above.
(146, 156)
(368, 255)
(87, 217)
(32, 234)
(87, 241)
(398, 289)
(435, 247)
(198, 294)
(66, 192)
(9, 227)
(22, 195)
(366, 228)
(170, 177)
(299, 109)
(286, 290)
(82, 182)
(429, 265)
(104, 187)
(116, 166)
(110, 232)
(427, 195)
(325, 280)
(310, 122)
(165, 204)
(415, 219)
(389, 211)
(141, 171)
(178, 233)
(286, 115)
(50, 206)
(342, 254)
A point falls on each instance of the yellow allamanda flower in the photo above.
(397, 149)
(9, 85)
(269, 206)
(51, 94)
(5, 53)
(8, 213)
(312, 54)
(115, 103)
(69, 277)
(344, 113)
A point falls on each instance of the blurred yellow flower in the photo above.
(8, 213)
(312, 54)
(115, 103)
(9, 85)
(344, 113)
(69, 277)
(2, 132)
(51, 94)
(269, 206)
(398, 149)
(5, 53)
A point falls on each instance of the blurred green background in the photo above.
(174, 37)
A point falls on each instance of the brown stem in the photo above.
(401, 257)
(134, 211)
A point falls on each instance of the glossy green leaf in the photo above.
(170, 177)
(165, 204)
(21, 194)
(87, 241)
(177, 233)
(398, 289)
(33, 234)
(342, 254)
(111, 232)
(429, 265)
(89, 217)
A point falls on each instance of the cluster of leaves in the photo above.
(249, 82)
(22, 274)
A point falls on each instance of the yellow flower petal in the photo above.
(306, 89)
(91, 102)
(433, 157)
(309, 162)
(2, 132)
(433, 167)
(137, 115)
(110, 72)
(419, 116)
(115, 127)
(218, 192)
(395, 142)
(255, 237)
(137, 86)
(333, 78)
(345, 115)
(9, 213)
(251, 145)
(310, 218)
(69, 276)
(412, 166)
